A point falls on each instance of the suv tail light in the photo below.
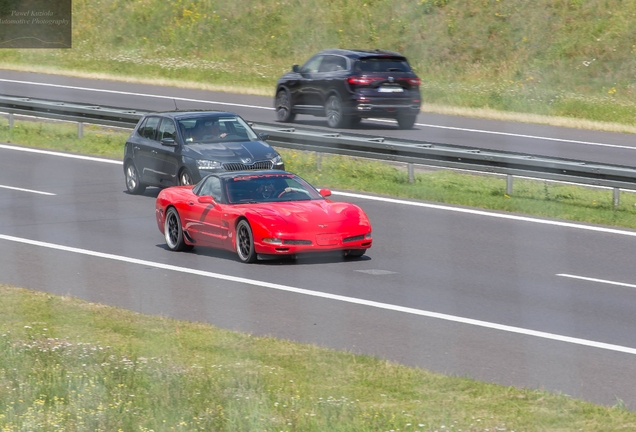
(412, 81)
(362, 80)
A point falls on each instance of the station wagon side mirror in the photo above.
(169, 142)
(325, 193)
(296, 68)
(264, 136)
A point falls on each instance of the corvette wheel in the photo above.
(354, 253)
(333, 111)
(283, 107)
(174, 232)
(245, 242)
(133, 184)
(185, 178)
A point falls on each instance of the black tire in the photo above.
(283, 107)
(245, 242)
(185, 178)
(133, 184)
(406, 121)
(334, 113)
(173, 232)
(354, 253)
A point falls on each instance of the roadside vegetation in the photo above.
(70, 365)
(566, 58)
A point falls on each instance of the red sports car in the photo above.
(260, 213)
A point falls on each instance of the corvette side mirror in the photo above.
(325, 193)
(206, 199)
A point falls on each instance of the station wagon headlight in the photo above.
(277, 160)
(204, 164)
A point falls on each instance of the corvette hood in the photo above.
(231, 151)
(309, 216)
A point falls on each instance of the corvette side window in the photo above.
(212, 187)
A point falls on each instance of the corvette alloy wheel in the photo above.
(245, 242)
(174, 232)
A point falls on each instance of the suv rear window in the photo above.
(382, 64)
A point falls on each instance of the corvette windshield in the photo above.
(215, 129)
(269, 188)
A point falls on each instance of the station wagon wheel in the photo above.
(185, 178)
(133, 184)
(174, 232)
(245, 242)
(333, 111)
(283, 107)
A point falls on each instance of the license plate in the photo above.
(390, 89)
(327, 239)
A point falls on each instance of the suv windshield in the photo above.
(215, 129)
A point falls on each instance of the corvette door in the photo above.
(204, 220)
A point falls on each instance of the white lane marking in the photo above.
(271, 109)
(592, 143)
(66, 155)
(138, 94)
(26, 190)
(485, 213)
(345, 299)
(608, 282)
(388, 200)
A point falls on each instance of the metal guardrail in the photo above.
(388, 149)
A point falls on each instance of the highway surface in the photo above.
(497, 297)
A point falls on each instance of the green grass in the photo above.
(70, 365)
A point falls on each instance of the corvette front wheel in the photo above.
(174, 232)
(245, 242)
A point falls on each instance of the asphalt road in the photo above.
(593, 146)
(505, 299)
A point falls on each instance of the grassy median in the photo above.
(71, 365)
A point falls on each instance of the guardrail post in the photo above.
(617, 197)
(509, 184)
(10, 120)
(80, 130)
(411, 173)
(318, 161)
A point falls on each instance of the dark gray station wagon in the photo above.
(181, 147)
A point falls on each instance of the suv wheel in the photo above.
(283, 107)
(333, 111)
(406, 121)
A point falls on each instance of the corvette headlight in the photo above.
(368, 236)
(276, 241)
(204, 164)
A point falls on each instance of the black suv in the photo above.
(348, 85)
(181, 147)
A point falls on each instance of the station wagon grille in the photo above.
(262, 165)
(352, 239)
